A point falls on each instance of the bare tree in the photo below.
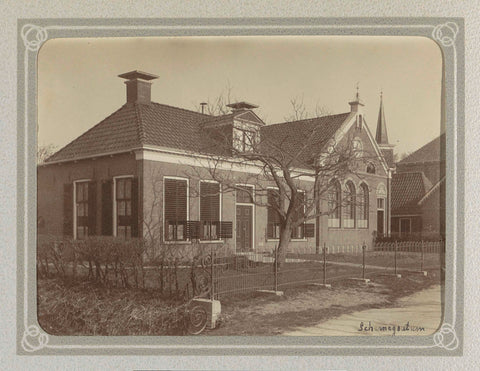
(301, 112)
(295, 181)
(44, 152)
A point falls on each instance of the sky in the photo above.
(78, 83)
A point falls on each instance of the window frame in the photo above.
(164, 237)
(220, 209)
(349, 223)
(275, 225)
(114, 200)
(364, 206)
(75, 220)
(337, 221)
(302, 226)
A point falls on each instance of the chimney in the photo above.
(138, 86)
(241, 106)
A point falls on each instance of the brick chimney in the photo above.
(139, 86)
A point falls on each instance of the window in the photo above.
(299, 231)
(123, 203)
(334, 207)
(244, 194)
(175, 209)
(81, 207)
(370, 168)
(380, 216)
(243, 140)
(362, 208)
(273, 217)
(210, 210)
(349, 207)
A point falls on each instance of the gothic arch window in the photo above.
(357, 147)
(334, 204)
(362, 206)
(349, 205)
(371, 168)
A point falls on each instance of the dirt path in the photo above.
(417, 314)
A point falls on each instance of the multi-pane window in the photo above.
(243, 140)
(123, 202)
(175, 209)
(210, 210)
(273, 217)
(299, 231)
(334, 199)
(81, 203)
(362, 207)
(349, 206)
(370, 168)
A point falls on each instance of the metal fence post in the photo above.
(395, 256)
(421, 266)
(212, 273)
(364, 247)
(275, 269)
(324, 263)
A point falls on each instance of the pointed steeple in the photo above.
(381, 136)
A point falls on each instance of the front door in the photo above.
(244, 228)
(380, 222)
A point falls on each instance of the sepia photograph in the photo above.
(241, 185)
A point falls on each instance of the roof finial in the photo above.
(381, 94)
(358, 88)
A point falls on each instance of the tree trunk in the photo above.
(285, 237)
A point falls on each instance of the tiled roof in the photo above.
(407, 190)
(430, 152)
(292, 136)
(117, 132)
(135, 125)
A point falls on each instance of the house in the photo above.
(145, 166)
(418, 192)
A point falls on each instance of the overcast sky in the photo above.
(78, 84)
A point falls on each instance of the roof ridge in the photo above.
(309, 119)
(182, 109)
(86, 132)
(405, 160)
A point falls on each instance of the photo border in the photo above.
(448, 33)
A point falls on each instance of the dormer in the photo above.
(246, 126)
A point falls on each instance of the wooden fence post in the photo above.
(364, 247)
(421, 266)
(276, 269)
(324, 263)
(395, 257)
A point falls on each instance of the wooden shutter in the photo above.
(209, 201)
(226, 230)
(273, 217)
(309, 230)
(107, 208)
(92, 208)
(193, 230)
(68, 209)
(134, 200)
(175, 200)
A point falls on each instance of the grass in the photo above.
(253, 314)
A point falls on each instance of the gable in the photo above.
(250, 117)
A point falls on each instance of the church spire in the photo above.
(381, 136)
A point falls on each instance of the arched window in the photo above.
(349, 206)
(381, 214)
(371, 168)
(334, 207)
(362, 206)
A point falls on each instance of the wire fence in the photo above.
(233, 274)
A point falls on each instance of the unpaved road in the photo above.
(417, 314)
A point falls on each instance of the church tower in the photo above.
(381, 136)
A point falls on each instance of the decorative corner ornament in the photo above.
(33, 36)
(33, 339)
(446, 33)
(446, 337)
